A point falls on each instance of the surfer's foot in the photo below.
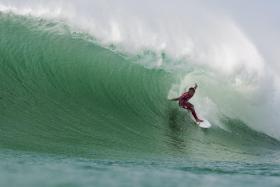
(199, 120)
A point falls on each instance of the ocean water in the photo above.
(82, 109)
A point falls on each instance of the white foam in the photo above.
(178, 28)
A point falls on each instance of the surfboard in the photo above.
(205, 124)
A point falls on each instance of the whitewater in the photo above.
(85, 89)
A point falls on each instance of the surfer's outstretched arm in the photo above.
(195, 86)
(175, 99)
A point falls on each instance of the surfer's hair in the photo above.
(191, 89)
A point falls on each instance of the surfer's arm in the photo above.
(175, 99)
(195, 86)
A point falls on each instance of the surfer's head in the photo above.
(191, 90)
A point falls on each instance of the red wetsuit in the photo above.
(184, 103)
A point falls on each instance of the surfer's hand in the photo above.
(195, 86)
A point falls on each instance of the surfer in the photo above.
(184, 101)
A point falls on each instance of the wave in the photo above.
(63, 92)
(216, 49)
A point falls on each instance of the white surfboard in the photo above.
(205, 124)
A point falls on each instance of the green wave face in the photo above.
(65, 94)
(62, 94)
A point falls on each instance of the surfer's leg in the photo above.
(194, 113)
(190, 107)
